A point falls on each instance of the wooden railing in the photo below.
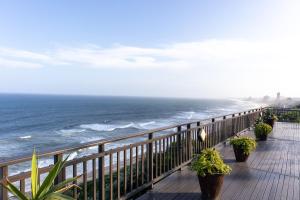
(127, 170)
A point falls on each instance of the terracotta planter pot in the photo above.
(239, 154)
(211, 186)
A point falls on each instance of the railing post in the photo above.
(233, 125)
(3, 175)
(101, 173)
(213, 132)
(62, 175)
(224, 128)
(239, 124)
(189, 140)
(179, 147)
(199, 149)
(150, 161)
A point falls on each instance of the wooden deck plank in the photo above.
(271, 172)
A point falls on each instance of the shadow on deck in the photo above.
(271, 172)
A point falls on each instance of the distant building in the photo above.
(278, 96)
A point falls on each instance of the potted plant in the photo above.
(210, 169)
(262, 130)
(47, 190)
(269, 117)
(242, 147)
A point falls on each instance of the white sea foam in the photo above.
(112, 127)
(147, 125)
(98, 127)
(85, 140)
(70, 132)
(191, 115)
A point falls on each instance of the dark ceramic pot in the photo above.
(263, 137)
(270, 122)
(239, 154)
(211, 186)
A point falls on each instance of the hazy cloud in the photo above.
(213, 53)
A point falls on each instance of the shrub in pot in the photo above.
(269, 117)
(242, 147)
(210, 169)
(262, 130)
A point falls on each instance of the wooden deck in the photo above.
(271, 172)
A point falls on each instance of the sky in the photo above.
(170, 48)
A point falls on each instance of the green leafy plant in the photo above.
(269, 115)
(209, 162)
(292, 116)
(47, 190)
(262, 129)
(247, 144)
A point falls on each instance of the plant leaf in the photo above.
(63, 184)
(15, 191)
(34, 175)
(48, 182)
(58, 196)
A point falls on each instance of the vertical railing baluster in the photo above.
(168, 154)
(197, 139)
(150, 159)
(174, 147)
(118, 176)
(189, 142)
(164, 155)
(156, 159)
(224, 129)
(75, 195)
(85, 195)
(213, 131)
(143, 164)
(101, 173)
(111, 177)
(94, 179)
(131, 168)
(22, 185)
(62, 175)
(186, 145)
(125, 172)
(160, 157)
(137, 166)
(233, 125)
(3, 175)
(179, 146)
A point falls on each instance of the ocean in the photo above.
(48, 122)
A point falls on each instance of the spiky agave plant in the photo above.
(47, 190)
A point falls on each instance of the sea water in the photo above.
(48, 122)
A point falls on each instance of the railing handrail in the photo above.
(24, 158)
